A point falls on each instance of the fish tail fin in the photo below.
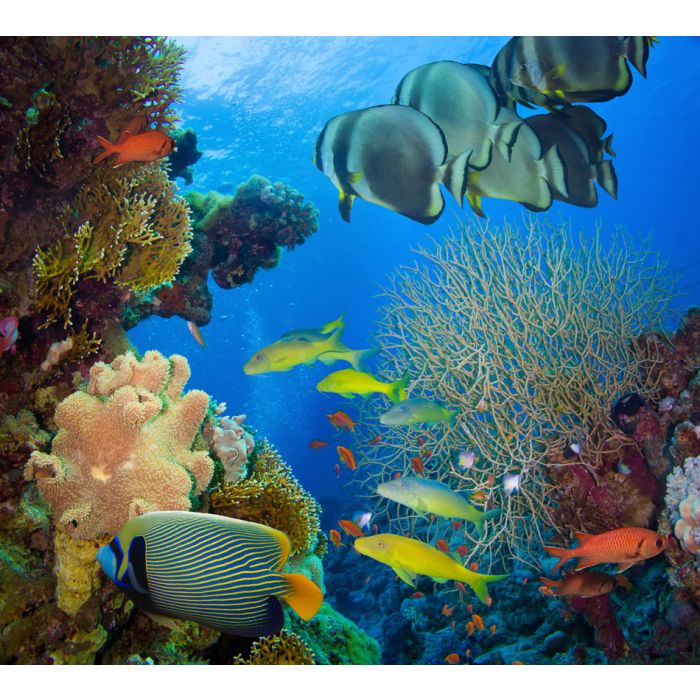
(397, 390)
(455, 175)
(637, 52)
(550, 583)
(562, 554)
(556, 171)
(606, 145)
(302, 595)
(606, 177)
(360, 357)
(332, 325)
(345, 205)
(483, 517)
(109, 148)
(479, 583)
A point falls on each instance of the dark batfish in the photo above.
(591, 127)
(581, 170)
(390, 155)
(460, 100)
(220, 572)
(551, 71)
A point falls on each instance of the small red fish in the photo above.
(452, 659)
(525, 580)
(336, 538)
(586, 584)
(478, 622)
(456, 524)
(442, 546)
(417, 465)
(340, 419)
(462, 550)
(517, 663)
(142, 148)
(479, 496)
(196, 333)
(417, 594)
(337, 471)
(8, 334)
(375, 440)
(625, 546)
(351, 528)
(470, 628)
(346, 457)
(447, 610)
(318, 444)
(396, 475)
(490, 480)
(461, 587)
(474, 566)
(421, 441)
(428, 453)
(489, 601)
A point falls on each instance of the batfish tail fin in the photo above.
(606, 177)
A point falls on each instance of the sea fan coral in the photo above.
(530, 336)
(283, 649)
(272, 496)
(124, 446)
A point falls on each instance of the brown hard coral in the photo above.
(283, 649)
(124, 446)
(272, 496)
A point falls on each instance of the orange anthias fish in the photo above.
(461, 587)
(340, 419)
(470, 608)
(442, 546)
(318, 444)
(144, 147)
(479, 496)
(336, 538)
(417, 464)
(346, 457)
(447, 610)
(375, 440)
(586, 584)
(462, 550)
(474, 566)
(478, 622)
(456, 524)
(417, 594)
(421, 441)
(351, 528)
(452, 658)
(470, 628)
(625, 546)
(196, 333)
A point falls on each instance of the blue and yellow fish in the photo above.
(220, 572)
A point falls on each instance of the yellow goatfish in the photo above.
(347, 382)
(429, 496)
(409, 558)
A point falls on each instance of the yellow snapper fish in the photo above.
(348, 382)
(429, 496)
(409, 558)
(220, 572)
(460, 100)
(390, 155)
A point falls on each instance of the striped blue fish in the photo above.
(220, 572)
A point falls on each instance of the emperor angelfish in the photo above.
(220, 572)
(393, 156)
(551, 71)
(460, 100)
(582, 170)
(526, 178)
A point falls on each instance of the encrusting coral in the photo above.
(283, 649)
(272, 496)
(124, 446)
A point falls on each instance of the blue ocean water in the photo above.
(258, 105)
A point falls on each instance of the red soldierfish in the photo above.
(143, 148)
(586, 584)
(624, 546)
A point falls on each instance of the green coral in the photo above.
(131, 230)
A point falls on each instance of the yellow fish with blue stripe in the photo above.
(220, 572)
(409, 558)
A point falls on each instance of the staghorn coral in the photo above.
(272, 496)
(123, 446)
(131, 230)
(283, 649)
(530, 336)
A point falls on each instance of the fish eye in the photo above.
(404, 485)
(522, 67)
(258, 357)
(659, 543)
(380, 544)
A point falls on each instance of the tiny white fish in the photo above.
(622, 468)
(575, 447)
(511, 483)
(364, 520)
(466, 459)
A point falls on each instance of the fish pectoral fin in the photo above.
(169, 622)
(302, 595)
(406, 576)
(345, 205)
(353, 177)
(623, 566)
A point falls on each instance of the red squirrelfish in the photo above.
(351, 528)
(340, 419)
(143, 148)
(624, 546)
(318, 444)
(346, 457)
(586, 584)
